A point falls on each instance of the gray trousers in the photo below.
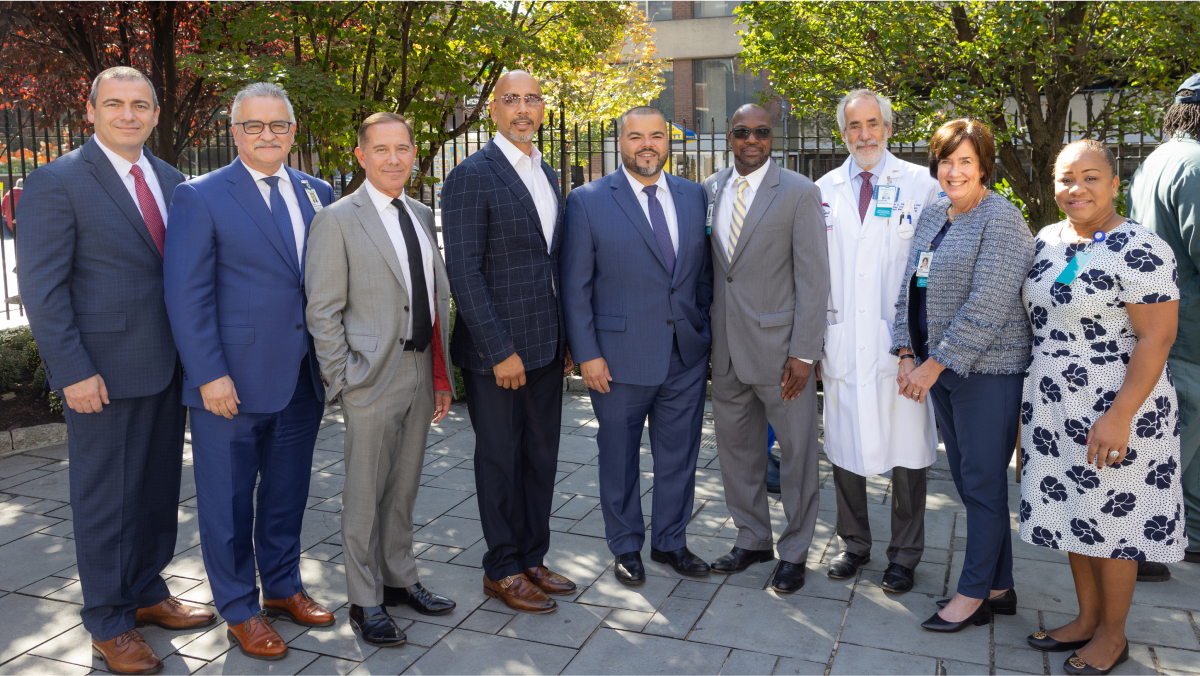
(908, 514)
(741, 412)
(385, 449)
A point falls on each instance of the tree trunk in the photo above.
(165, 77)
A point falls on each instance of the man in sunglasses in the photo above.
(771, 284)
(234, 277)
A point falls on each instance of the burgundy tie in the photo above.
(864, 195)
(150, 212)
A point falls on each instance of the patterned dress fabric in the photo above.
(1083, 340)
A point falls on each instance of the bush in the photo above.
(19, 358)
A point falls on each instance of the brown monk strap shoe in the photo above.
(171, 613)
(518, 593)
(258, 639)
(549, 581)
(127, 654)
(301, 609)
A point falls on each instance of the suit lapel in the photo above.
(762, 201)
(683, 221)
(508, 174)
(718, 246)
(107, 176)
(243, 189)
(623, 194)
(561, 208)
(368, 215)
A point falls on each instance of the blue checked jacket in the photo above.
(503, 277)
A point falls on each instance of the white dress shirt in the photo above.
(289, 198)
(664, 198)
(876, 171)
(124, 167)
(529, 168)
(391, 222)
(724, 216)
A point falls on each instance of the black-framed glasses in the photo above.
(512, 99)
(743, 133)
(256, 127)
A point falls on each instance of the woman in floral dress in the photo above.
(1100, 421)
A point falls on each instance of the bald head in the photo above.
(750, 138)
(751, 115)
(516, 117)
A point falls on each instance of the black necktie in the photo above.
(422, 326)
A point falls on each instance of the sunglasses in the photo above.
(760, 133)
(512, 99)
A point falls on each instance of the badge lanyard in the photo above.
(1080, 259)
(312, 196)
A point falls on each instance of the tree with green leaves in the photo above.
(1015, 65)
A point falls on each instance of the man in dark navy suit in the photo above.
(93, 224)
(235, 294)
(502, 222)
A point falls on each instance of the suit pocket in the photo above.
(609, 323)
(362, 343)
(237, 335)
(773, 319)
(100, 322)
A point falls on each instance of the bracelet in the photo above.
(907, 356)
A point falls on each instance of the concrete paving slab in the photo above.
(440, 553)
(234, 662)
(647, 597)
(50, 553)
(36, 483)
(1014, 629)
(455, 479)
(486, 621)
(317, 526)
(613, 651)
(44, 586)
(592, 525)
(389, 662)
(792, 626)
(1173, 660)
(578, 449)
(40, 620)
(1183, 591)
(16, 524)
(582, 559)
(18, 464)
(630, 620)
(325, 484)
(854, 659)
(208, 646)
(460, 445)
(569, 626)
(325, 581)
(333, 504)
(329, 666)
(467, 509)
(675, 617)
(957, 668)
(692, 589)
(38, 666)
(468, 652)
(1015, 659)
(577, 507)
(423, 633)
(746, 663)
(450, 531)
(322, 459)
(797, 666)
(879, 620)
(321, 552)
(339, 641)
(434, 502)
(583, 481)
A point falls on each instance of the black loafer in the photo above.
(683, 561)
(982, 616)
(418, 598)
(898, 579)
(1040, 640)
(1003, 604)
(739, 559)
(789, 577)
(1076, 665)
(1149, 571)
(629, 569)
(378, 630)
(846, 565)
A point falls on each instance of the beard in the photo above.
(631, 163)
(868, 156)
(762, 159)
(517, 137)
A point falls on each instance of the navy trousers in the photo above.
(230, 456)
(978, 419)
(125, 463)
(676, 411)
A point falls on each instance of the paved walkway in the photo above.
(719, 624)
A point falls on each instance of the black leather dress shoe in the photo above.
(788, 578)
(629, 569)
(1040, 640)
(1076, 665)
(683, 561)
(378, 629)
(739, 559)
(418, 598)
(1191, 557)
(1150, 571)
(1002, 604)
(845, 565)
(980, 617)
(898, 579)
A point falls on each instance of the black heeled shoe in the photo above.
(1040, 640)
(1004, 604)
(1076, 665)
(981, 616)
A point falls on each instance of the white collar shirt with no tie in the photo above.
(664, 198)
(723, 219)
(391, 223)
(124, 167)
(529, 168)
(289, 198)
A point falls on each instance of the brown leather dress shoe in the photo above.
(549, 581)
(171, 613)
(127, 654)
(301, 609)
(258, 639)
(518, 593)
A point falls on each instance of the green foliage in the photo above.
(18, 357)
(1004, 189)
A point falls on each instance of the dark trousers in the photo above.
(236, 530)
(125, 463)
(676, 411)
(907, 542)
(978, 419)
(516, 458)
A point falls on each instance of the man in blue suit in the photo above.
(235, 294)
(637, 287)
(91, 272)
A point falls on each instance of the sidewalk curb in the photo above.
(29, 438)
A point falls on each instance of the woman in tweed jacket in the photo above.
(972, 343)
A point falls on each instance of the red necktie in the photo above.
(864, 195)
(150, 212)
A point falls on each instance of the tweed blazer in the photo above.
(976, 321)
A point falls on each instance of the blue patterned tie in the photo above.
(283, 219)
(658, 221)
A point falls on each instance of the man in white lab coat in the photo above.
(872, 203)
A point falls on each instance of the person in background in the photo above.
(8, 205)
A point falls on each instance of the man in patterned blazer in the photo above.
(502, 222)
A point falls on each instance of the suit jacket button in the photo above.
(729, 279)
(406, 308)
(670, 323)
(672, 290)
(299, 326)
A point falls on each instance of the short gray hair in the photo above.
(885, 106)
(121, 73)
(263, 89)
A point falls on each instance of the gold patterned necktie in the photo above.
(739, 214)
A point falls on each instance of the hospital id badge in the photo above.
(885, 199)
(708, 219)
(1069, 273)
(924, 262)
(312, 197)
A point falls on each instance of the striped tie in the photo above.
(739, 214)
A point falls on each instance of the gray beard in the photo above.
(863, 160)
(630, 162)
(520, 138)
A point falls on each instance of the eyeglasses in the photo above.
(256, 127)
(760, 133)
(512, 99)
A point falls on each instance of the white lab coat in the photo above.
(869, 427)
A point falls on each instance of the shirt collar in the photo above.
(121, 164)
(281, 173)
(637, 185)
(876, 171)
(754, 178)
(380, 200)
(514, 154)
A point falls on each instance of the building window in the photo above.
(665, 101)
(720, 89)
(706, 10)
(656, 11)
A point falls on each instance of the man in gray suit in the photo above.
(379, 313)
(768, 322)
